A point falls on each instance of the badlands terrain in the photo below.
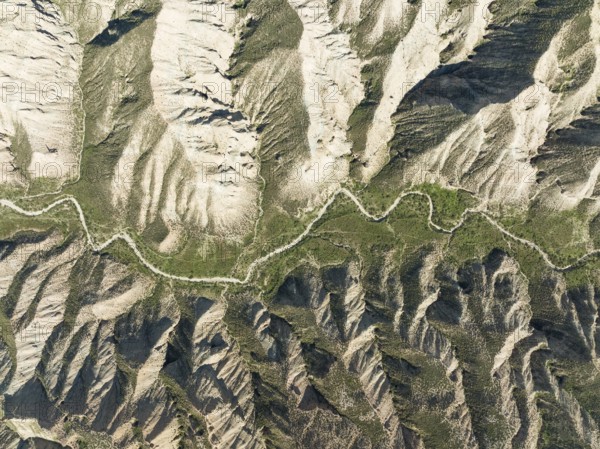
(366, 224)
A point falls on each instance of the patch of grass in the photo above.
(21, 149)
(577, 36)
(562, 234)
(262, 35)
(448, 205)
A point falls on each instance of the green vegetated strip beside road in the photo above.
(169, 265)
(412, 214)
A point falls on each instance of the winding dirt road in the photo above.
(261, 260)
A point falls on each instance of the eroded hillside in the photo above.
(299, 223)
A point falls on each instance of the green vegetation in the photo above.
(430, 314)
(262, 35)
(562, 234)
(577, 35)
(21, 148)
(448, 205)
(192, 426)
